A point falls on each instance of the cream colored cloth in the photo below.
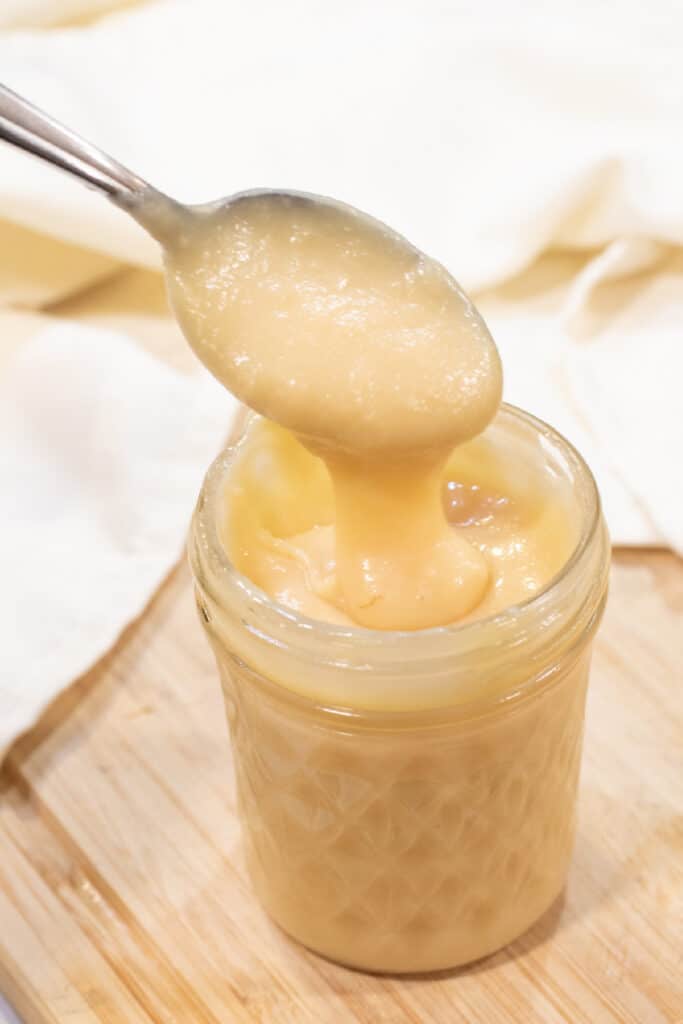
(102, 452)
(40, 13)
(488, 134)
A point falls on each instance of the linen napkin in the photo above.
(102, 452)
(34, 13)
(605, 370)
(491, 140)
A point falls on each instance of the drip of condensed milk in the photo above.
(333, 326)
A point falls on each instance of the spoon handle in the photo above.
(34, 131)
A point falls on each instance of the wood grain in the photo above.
(123, 895)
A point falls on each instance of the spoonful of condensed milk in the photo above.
(332, 325)
(327, 322)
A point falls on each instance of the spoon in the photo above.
(301, 305)
(29, 128)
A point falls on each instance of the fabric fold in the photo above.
(102, 453)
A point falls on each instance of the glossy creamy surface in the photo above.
(335, 327)
(279, 521)
(327, 322)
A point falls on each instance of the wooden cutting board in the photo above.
(123, 896)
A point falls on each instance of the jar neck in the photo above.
(482, 662)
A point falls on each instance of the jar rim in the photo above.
(370, 638)
(468, 668)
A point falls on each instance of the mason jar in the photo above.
(408, 799)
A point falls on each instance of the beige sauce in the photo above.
(281, 524)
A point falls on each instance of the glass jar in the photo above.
(408, 798)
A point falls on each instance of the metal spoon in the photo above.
(27, 127)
